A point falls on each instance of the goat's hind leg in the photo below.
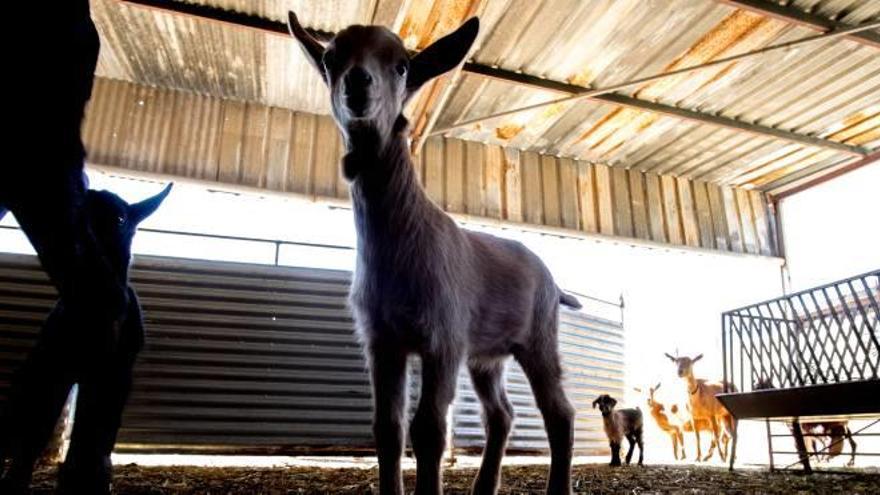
(631, 440)
(488, 380)
(852, 444)
(542, 366)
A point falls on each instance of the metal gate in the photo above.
(243, 357)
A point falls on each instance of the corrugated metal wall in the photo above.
(246, 357)
(592, 352)
(249, 144)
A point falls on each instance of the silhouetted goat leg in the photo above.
(103, 392)
(39, 391)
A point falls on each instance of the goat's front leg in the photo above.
(697, 437)
(428, 429)
(615, 453)
(388, 376)
(716, 438)
(104, 386)
(681, 443)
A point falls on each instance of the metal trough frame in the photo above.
(810, 355)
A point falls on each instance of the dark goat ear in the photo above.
(657, 387)
(595, 403)
(442, 55)
(669, 356)
(699, 356)
(140, 211)
(314, 51)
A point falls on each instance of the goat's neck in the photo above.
(391, 209)
(692, 384)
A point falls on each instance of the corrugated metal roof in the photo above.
(827, 89)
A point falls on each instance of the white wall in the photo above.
(832, 231)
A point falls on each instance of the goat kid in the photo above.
(424, 286)
(67, 353)
(619, 424)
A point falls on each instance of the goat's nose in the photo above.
(357, 77)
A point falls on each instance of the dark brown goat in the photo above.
(67, 353)
(42, 184)
(424, 286)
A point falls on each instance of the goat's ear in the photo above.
(595, 403)
(139, 211)
(637, 389)
(314, 51)
(613, 401)
(669, 356)
(443, 55)
(699, 356)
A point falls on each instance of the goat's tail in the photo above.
(568, 300)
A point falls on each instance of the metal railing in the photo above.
(276, 243)
(825, 335)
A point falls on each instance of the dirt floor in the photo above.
(592, 478)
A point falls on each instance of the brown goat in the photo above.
(703, 405)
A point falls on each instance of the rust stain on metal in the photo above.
(582, 78)
(426, 20)
(512, 128)
(739, 31)
(508, 131)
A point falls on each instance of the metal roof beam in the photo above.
(802, 18)
(649, 106)
(816, 178)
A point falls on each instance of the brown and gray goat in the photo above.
(424, 286)
(620, 424)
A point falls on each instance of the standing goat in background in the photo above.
(703, 405)
(66, 354)
(620, 424)
(424, 286)
(675, 421)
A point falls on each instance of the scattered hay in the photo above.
(592, 478)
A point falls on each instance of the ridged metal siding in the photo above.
(245, 357)
(592, 353)
(181, 134)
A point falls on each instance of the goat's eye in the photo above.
(120, 220)
(401, 68)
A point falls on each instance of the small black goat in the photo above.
(619, 424)
(69, 352)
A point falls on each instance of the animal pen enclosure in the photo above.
(263, 359)
(807, 356)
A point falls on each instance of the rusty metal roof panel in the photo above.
(827, 89)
